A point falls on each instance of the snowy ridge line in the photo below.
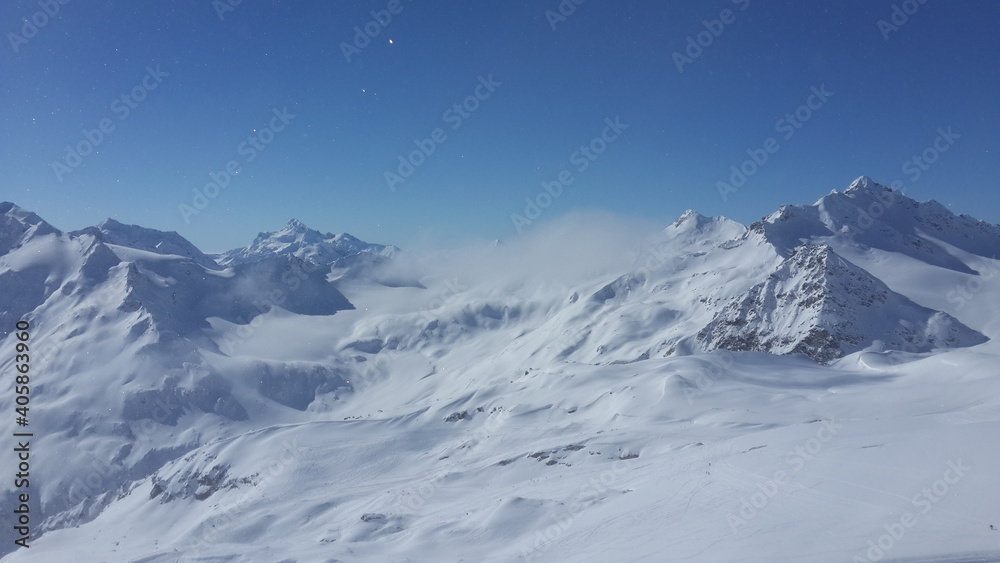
(566, 396)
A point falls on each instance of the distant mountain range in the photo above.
(162, 369)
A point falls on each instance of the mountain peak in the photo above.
(297, 239)
(699, 230)
(876, 216)
(820, 304)
(112, 225)
(167, 243)
(692, 220)
(865, 183)
(17, 225)
(297, 225)
(690, 215)
(821, 264)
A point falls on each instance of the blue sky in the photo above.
(182, 92)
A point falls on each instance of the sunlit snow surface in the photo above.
(547, 399)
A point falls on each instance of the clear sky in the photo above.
(186, 88)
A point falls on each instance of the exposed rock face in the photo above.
(819, 304)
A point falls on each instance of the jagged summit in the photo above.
(879, 217)
(298, 240)
(820, 304)
(159, 277)
(864, 183)
(294, 231)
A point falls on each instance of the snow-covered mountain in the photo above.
(871, 215)
(272, 404)
(296, 239)
(113, 307)
(818, 304)
(110, 231)
(343, 257)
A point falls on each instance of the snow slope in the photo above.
(565, 397)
